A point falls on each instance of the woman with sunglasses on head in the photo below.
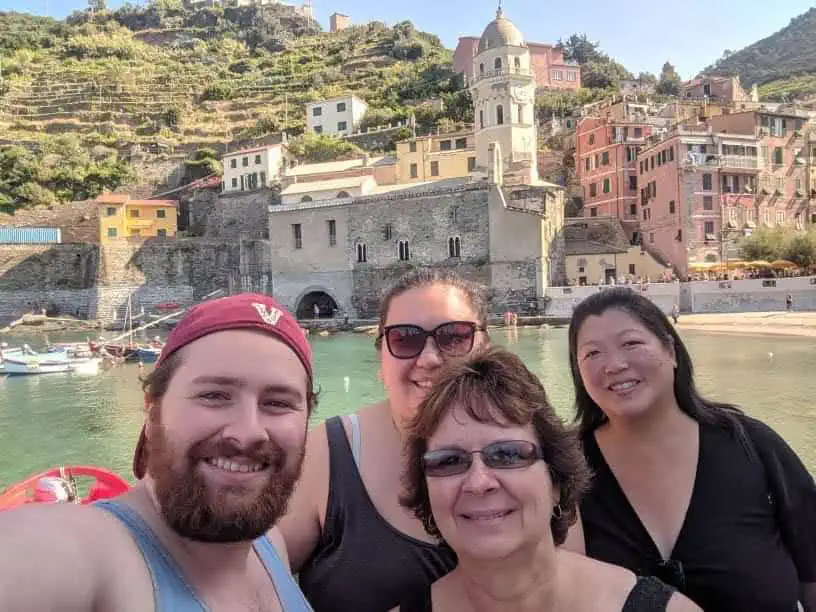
(686, 489)
(493, 472)
(355, 548)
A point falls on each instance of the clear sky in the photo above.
(641, 34)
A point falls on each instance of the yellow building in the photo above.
(438, 156)
(121, 218)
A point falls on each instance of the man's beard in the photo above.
(232, 513)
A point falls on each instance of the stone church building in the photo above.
(502, 225)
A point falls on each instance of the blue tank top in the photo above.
(171, 590)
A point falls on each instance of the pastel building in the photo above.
(121, 218)
(256, 168)
(436, 156)
(337, 116)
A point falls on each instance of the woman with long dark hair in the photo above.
(689, 490)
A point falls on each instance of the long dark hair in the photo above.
(589, 416)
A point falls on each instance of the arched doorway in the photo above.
(325, 304)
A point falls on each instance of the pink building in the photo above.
(721, 89)
(606, 162)
(548, 64)
(703, 187)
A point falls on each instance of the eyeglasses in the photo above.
(504, 455)
(454, 339)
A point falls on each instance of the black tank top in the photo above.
(648, 595)
(362, 563)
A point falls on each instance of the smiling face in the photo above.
(225, 444)
(407, 381)
(489, 514)
(625, 368)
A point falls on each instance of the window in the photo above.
(471, 164)
(162, 233)
(500, 115)
(404, 253)
(605, 158)
(252, 179)
(593, 212)
(331, 226)
(633, 210)
(317, 111)
(233, 163)
(707, 182)
(110, 211)
(481, 68)
(343, 194)
(632, 183)
(517, 64)
(708, 230)
(671, 207)
(461, 143)
(592, 139)
(708, 202)
(631, 268)
(454, 214)
(520, 113)
(342, 126)
(263, 179)
(571, 76)
(134, 212)
(306, 198)
(318, 129)
(497, 65)
(414, 171)
(434, 168)
(297, 235)
(454, 247)
(388, 231)
(235, 183)
(587, 164)
(161, 213)
(412, 146)
(778, 156)
(638, 132)
(671, 154)
(257, 159)
(245, 162)
(362, 254)
(111, 232)
(780, 216)
(557, 75)
(481, 118)
(607, 185)
(593, 190)
(341, 107)
(651, 236)
(445, 145)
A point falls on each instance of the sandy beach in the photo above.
(760, 323)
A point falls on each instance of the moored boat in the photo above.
(59, 484)
(148, 354)
(28, 363)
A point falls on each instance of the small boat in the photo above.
(28, 363)
(60, 485)
(148, 354)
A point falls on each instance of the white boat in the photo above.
(27, 364)
(5, 352)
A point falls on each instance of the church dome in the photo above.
(500, 33)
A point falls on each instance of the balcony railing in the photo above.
(489, 74)
(741, 162)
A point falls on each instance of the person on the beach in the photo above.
(675, 312)
(789, 302)
(354, 547)
(218, 457)
(686, 489)
(493, 472)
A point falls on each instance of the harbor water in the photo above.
(58, 419)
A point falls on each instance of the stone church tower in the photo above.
(503, 89)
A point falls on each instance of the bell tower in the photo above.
(502, 86)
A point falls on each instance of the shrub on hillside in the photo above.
(217, 91)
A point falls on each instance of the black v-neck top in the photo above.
(730, 554)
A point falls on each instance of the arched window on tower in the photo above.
(481, 69)
(497, 64)
(499, 115)
(518, 64)
(520, 113)
(481, 119)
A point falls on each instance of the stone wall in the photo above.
(230, 215)
(75, 302)
(43, 267)
(79, 221)
(753, 295)
(562, 300)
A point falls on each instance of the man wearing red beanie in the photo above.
(227, 408)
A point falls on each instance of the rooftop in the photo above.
(346, 182)
(500, 33)
(337, 166)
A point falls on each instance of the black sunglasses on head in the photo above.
(454, 339)
(503, 455)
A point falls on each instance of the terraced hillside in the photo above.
(112, 85)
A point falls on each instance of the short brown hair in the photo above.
(475, 294)
(155, 383)
(494, 386)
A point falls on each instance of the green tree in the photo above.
(578, 48)
(670, 81)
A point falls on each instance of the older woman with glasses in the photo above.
(355, 548)
(494, 474)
